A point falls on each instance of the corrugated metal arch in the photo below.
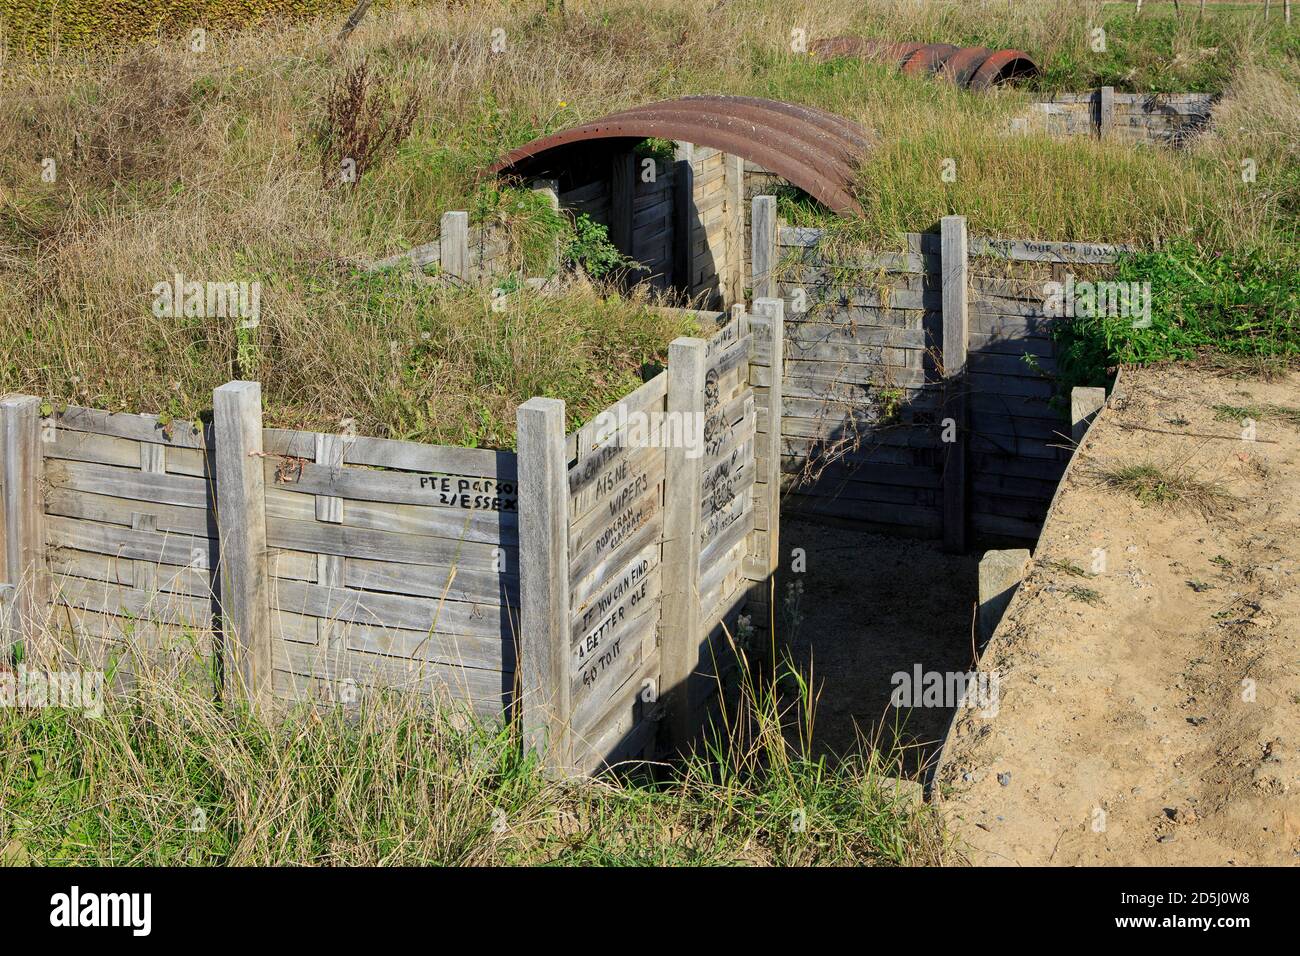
(815, 150)
(973, 67)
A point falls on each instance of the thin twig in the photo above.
(1163, 431)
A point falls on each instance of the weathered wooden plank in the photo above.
(346, 541)
(588, 571)
(607, 672)
(1040, 251)
(680, 608)
(22, 523)
(131, 483)
(619, 469)
(135, 427)
(401, 455)
(544, 579)
(912, 516)
(602, 529)
(123, 542)
(431, 490)
(488, 623)
(163, 608)
(451, 583)
(595, 602)
(1002, 525)
(472, 684)
(241, 521)
(112, 569)
(453, 245)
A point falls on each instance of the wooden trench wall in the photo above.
(649, 538)
(590, 584)
(581, 585)
(919, 383)
(1166, 119)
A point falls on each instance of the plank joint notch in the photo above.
(244, 581)
(544, 703)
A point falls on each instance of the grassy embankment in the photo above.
(209, 165)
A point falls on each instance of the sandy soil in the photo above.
(1151, 715)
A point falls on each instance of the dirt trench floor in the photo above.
(866, 607)
(1150, 706)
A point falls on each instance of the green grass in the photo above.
(166, 777)
(1242, 307)
(1066, 567)
(1236, 413)
(1077, 592)
(1173, 487)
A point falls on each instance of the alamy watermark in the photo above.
(43, 689)
(977, 690)
(1079, 300)
(621, 427)
(208, 300)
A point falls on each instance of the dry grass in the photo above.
(165, 776)
(208, 165)
(1174, 487)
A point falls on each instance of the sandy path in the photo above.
(1155, 720)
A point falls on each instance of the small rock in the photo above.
(1165, 838)
(1005, 778)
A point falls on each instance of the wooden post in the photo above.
(763, 248)
(544, 667)
(956, 329)
(732, 281)
(684, 216)
(1085, 403)
(22, 522)
(453, 243)
(1105, 111)
(683, 501)
(244, 588)
(622, 194)
(774, 311)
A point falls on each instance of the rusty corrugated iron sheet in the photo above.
(973, 67)
(815, 150)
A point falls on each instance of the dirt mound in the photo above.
(1148, 666)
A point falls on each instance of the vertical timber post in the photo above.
(763, 248)
(773, 310)
(956, 328)
(1105, 111)
(622, 195)
(245, 590)
(733, 280)
(453, 245)
(22, 523)
(544, 702)
(680, 625)
(1085, 403)
(684, 217)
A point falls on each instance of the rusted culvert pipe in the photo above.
(972, 67)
